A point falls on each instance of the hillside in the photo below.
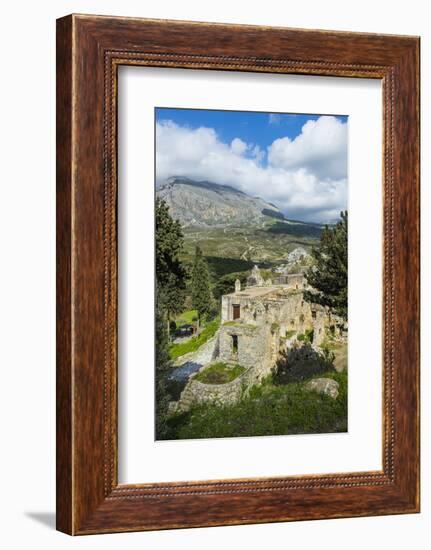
(233, 229)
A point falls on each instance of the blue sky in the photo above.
(252, 127)
(296, 161)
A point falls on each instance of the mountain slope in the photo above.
(233, 229)
(207, 204)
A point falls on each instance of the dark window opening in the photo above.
(234, 344)
(236, 311)
(313, 314)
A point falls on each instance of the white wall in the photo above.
(27, 316)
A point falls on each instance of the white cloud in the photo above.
(304, 177)
(321, 147)
(238, 146)
(257, 153)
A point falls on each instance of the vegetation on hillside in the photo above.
(269, 409)
(296, 229)
(238, 248)
(187, 317)
(177, 350)
(220, 267)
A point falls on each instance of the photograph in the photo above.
(251, 273)
(215, 233)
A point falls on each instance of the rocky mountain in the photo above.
(208, 204)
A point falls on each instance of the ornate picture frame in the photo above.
(89, 51)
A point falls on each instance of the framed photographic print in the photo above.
(237, 274)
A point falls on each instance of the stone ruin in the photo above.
(255, 323)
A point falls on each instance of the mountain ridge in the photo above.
(207, 204)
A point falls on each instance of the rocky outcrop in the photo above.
(296, 260)
(324, 386)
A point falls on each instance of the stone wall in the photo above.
(196, 392)
(254, 345)
(319, 324)
(286, 307)
(293, 280)
(290, 313)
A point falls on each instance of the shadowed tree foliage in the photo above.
(162, 367)
(328, 276)
(200, 285)
(226, 284)
(302, 362)
(171, 274)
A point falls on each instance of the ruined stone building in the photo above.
(256, 324)
(294, 280)
(256, 321)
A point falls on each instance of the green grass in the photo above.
(186, 318)
(290, 333)
(176, 350)
(269, 409)
(219, 373)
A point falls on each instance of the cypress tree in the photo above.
(171, 273)
(328, 275)
(200, 285)
(161, 367)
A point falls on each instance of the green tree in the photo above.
(171, 274)
(162, 367)
(200, 285)
(328, 275)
